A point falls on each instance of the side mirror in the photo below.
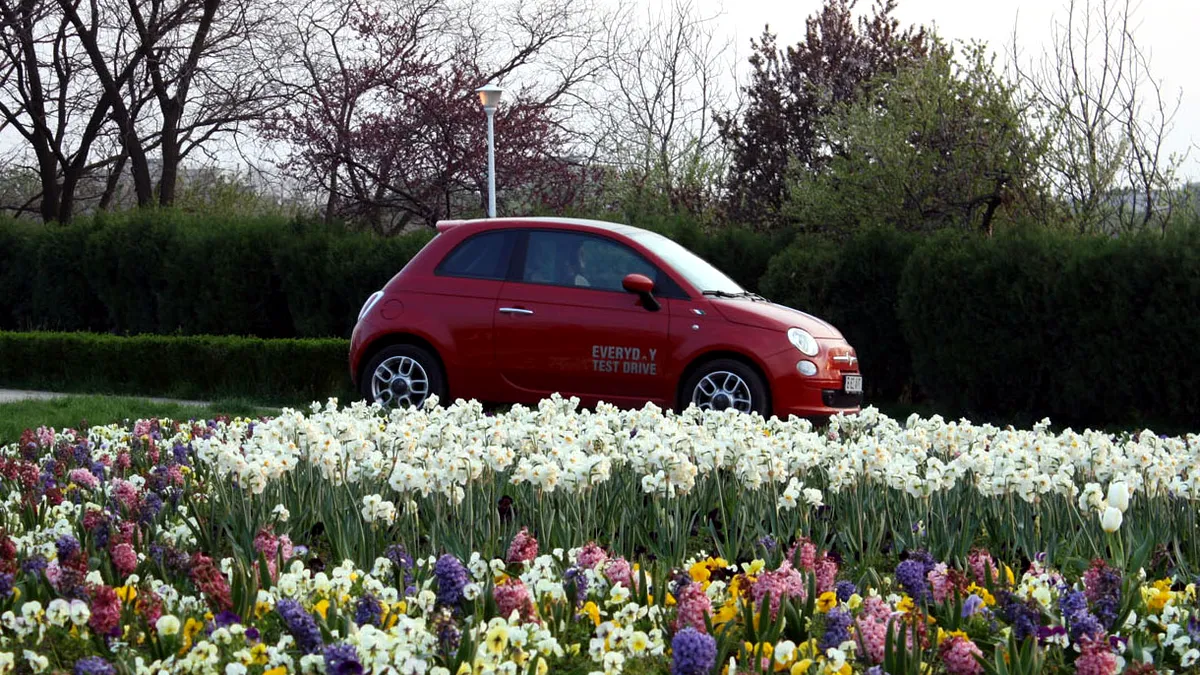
(644, 287)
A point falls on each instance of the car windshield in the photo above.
(693, 268)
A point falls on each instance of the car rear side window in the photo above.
(481, 256)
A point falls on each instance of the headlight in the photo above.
(371, 303)
(804, 341)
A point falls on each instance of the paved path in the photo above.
(14, 395)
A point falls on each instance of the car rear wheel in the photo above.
(402, 375)
(725, 383)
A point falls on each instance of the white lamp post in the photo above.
(489, 96)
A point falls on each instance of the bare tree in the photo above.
(1110, 118)
(53, 99)
(664, 73)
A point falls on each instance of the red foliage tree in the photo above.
(384, 120)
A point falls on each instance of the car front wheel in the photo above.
(725, 383)
(401, 376)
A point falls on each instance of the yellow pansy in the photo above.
(801, 667)
(258, 655)
(277, 670)
(827, 601)
(699, 572)
(542, 666)
(592, 611)
(322, 608)
(497, 639)
(126, 593)
(905, 605)
(727, 613)
(988, 598)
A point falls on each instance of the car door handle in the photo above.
(515, 310)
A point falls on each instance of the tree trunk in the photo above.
(170, 155)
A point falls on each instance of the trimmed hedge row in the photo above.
(1086, 331)
(193, 367)
(166, 272)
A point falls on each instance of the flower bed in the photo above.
(550, 540)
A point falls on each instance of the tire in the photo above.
(726, 383)
(415, 375)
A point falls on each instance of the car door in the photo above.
(571, 328)
(461, 295)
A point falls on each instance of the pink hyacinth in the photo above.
(1096, 659)
(126, 493)
(808, 554)
(175, 475)
(53, 573)
(142, 428)
(123, 461)
(84, 478)
(693, 605)
(124, 533)
(825, 569)
(45, 436)
(785, 582)
(939, 581)
(512, 596)
(618, 571)
(266, 543)
(524, 547)
(872, 625)
(106, 611)
(124, 559)
(981, 564)
(958, 653)
(591, 555)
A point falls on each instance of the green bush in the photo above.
(192, 367)
(1086, 331)
(854, 285)
(167, 272)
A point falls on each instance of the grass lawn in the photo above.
(69, 411)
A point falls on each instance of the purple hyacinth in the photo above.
(910, 574)
(575, 577)
(1103, 589)
(844, 590)
(1074, 608)
(837, 628)
(1023, 616)
(226, 618)
(368, 610)
(6, 586)
(94, 665)
(67, 547)
(768, 543)
(695, 653)
(300, 624)
(342, 659)
(34, 564)
(452, 578)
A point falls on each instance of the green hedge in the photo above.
(192, 367)
(167, 272)
(1086, 331)
(854, 285)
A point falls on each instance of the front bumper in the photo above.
(820, 395)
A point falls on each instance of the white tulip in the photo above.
(1118, 495)
(1111, 519)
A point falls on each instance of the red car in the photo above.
(514, 309)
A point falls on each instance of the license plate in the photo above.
(852, 384)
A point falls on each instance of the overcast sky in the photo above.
(1168, 29)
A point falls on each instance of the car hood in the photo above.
(769, 315)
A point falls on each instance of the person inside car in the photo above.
(576, 266)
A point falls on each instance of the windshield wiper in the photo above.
(727, 294)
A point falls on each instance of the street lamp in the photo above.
(489, 96)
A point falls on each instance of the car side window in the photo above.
(481, 256)
(581, 261)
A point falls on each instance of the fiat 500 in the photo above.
(512, 310)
